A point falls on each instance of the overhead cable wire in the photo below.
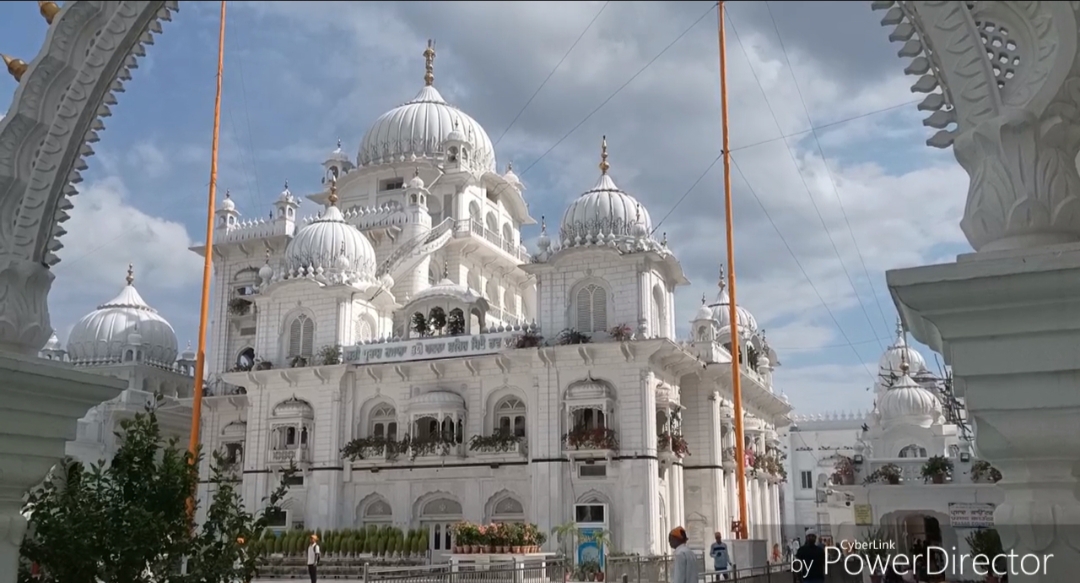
(806, 185)
(783, 239)
(247, 118)
(776, 139)
(552, 73)
(825, 162)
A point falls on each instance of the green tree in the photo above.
(128, 522)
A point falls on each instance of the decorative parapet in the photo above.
(253, 230)
(385, 215)
(396, 350)
(859, 415)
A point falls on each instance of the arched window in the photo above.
(491, 292)
(301, 336)
(913, 451)
(507, 509)
(510, 417)
(363, 331)
(508, 234)
(589, 418)
(383, 422)
(492, 224)
(591, 309)
(659, 312)
(376, 511)
(246, 359)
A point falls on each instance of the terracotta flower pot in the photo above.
(938, 478)
(477, 549)
(517, 550)
(893, 480)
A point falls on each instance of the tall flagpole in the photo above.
(208, 261)
(736, 369)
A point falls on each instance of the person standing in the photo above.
(721, 558)
(313, 556)
(685, 568)
(812, 557)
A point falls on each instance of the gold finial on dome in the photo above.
(904, 366)
(49, 10)
(604, 166)
(332, 199)
(130, 274)
(17, 67)
(429, 63)
(722, 281)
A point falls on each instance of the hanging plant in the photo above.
(437, 320)
(982, 470)
(455, 323)
(330, 355)
(420, 324)
(239, 307)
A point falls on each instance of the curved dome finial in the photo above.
(333, 198)
(904, 366)
(429, 63)
(130, 274)
(604, 166)
(722, 281)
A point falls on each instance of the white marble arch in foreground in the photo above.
(57, 112)
(1002, 81)
(89, 52)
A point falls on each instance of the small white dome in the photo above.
(604, 214)
(419, 128)
(704, 312)
(908, 403)
(721, 312)
(286, 195)
(328, 239)
(511, 177)
(227, 204)
(188, 353)
(53, 344)
(103, 334)
(416, 183)
(293, 407)
(446, 288)
(338, 155)
(266, 273)
(894, 357)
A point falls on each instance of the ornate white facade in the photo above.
(127, 339)
(840, 464)
(404, 324)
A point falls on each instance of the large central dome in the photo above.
(420, 127)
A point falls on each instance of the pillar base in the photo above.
(1008, 323)
(40, 403)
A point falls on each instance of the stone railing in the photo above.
(295, 454)
(478, 229)
(911, 471)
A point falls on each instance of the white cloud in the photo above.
(148, 159)
(105, 234)
(826, 387)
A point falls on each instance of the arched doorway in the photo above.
(438, 514)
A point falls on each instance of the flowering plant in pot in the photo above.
(982, 471)
(937, 469)
(887, 474)
(843, 471)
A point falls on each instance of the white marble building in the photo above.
(854, 473)
(127, 339)
(404, 323)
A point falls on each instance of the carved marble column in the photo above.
(41, 402)
(24, 310)
(1003, 82)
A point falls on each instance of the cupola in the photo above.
(907, 403)
(227, 215)
(328, 243)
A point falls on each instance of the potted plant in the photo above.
(937, 469)
(621, 333)
(982, 471)
(263, 364)
(329, 355)
(437, 319)
(674, 443)
(529, 340)
(298, 361)
(419, 324)
(890, 474)
(843, 471)
(986, 542)
(591, 438)
(571, 336)
(455, 323)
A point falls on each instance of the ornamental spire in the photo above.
(332, 199)
(17, 67)
(130, 274)
(722, 282)
(49, 10)
(429, 63)
(604, 166)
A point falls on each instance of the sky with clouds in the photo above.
(833, 184)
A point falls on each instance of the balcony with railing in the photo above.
(499, 445)
(909, 471)
(591, 442)
(472, 227)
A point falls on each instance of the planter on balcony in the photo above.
(591, 441)
(498, 444)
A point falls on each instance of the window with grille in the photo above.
(591, 309)
(510, 417)
(383, 422)
(301, 336)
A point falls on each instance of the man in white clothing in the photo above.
(313, 555)
(685, 568)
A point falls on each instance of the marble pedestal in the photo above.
(1009, 325)
(40, 403)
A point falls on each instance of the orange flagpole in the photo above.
(736, 372)
(208, 261)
